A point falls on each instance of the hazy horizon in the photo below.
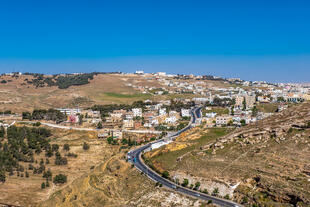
(264, 68)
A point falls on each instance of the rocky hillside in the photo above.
(263, 164)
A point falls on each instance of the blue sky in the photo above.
(258, 40)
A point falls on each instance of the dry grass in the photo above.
(28, 192)
(19, 96)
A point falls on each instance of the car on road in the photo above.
(197, 194)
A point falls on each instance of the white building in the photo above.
(211, 115)
(137, 112)
(69, 111)
(162, 111)
(223, 120)
(185, 112)
(161, 73)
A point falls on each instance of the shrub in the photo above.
(85, 146)
(66, 147)
(215, 192)
(165, 174)
(185, 182)
(60, 179)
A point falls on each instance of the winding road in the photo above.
(134, 157)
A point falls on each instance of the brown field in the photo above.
(19, 96)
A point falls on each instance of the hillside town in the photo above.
(226, 102)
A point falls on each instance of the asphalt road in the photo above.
(135, 158)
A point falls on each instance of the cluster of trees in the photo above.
(59, 160)
(2, 132)
(6, 112)
(223, 102)
(50, 114)
(62, 81)
(21, 144)
(178, 105)
(171, 128)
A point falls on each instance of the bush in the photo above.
(55, 147)
(215, 192)
(60, 179)
(61, 160)
(66, 147)
(197, 185)
(185, 182)
(85, 146)
(43, 185)
(226, 197)
(165, 174)
(70, 154)
(2, 176)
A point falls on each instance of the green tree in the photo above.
(47, 183)
(110, 139)
(2, 132)
(227, 197)
(232, 112)
(60, 179)
(205, 191)
(185, 182)
(242, 122)
(66, 147)
(55, 147)
(99, 125)
(81, 119)
(254, 111)
(165, 174)
(43, 185)
(244, 104)
(85, 146)
(2, 176)
(280, 99)
(215, 192)
(197, 185)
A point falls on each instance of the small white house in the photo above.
(162, 111)
(137, 112)
(185, 112)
